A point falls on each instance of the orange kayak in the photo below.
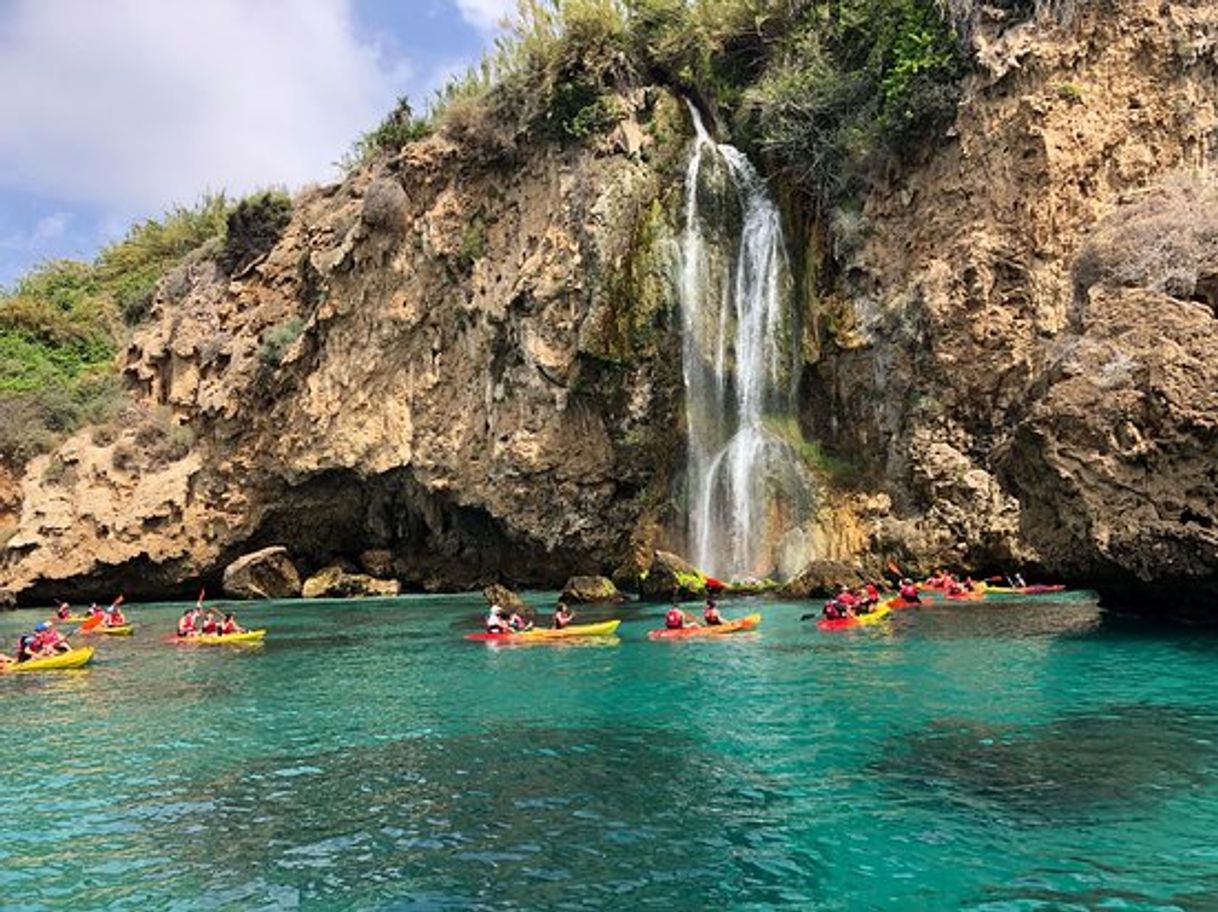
(744, 623)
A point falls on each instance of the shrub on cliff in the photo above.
(399, 128)
(253, 227)
(1166, 241)
(854, 86)
(61, 325)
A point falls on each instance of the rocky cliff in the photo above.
(468, 367)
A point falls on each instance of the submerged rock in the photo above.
(591, 589)
(268, 574)
(335, 582)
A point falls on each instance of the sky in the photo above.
(116, 110)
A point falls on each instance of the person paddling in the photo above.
(908, 592)
(230, 625)
(518, 622)
(49, 640)
(562, 616)
(710, 614)
(676, 619)
(186, 624)
(496, 622)
(115, 617)
(211, 624)
(64, 611)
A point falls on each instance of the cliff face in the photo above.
(436, 360)
(1017, 417)
(456, 369)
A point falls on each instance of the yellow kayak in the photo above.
(73, 659)
(218, 639)
(604, 628)
(123, 630)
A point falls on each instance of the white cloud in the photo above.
(137, 104)
(47, 229)
(486, 14)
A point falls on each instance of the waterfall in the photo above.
(746, 483)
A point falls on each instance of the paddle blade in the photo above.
(92, 622)
(118, 601)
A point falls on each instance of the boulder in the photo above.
(819, 579)
(498, 594)
(377, 562)
(585, 589)
(335, 582)
(8, 600)
(670, 576)
(268, 573)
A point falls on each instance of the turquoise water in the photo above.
(1003, 756)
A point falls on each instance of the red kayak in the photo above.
(899, 604)
(860, 620)
(744, 623)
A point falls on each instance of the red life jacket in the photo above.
(674, 620)
(909, 593)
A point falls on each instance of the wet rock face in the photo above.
(671, 577)
(820, 579)
(1116, 463)
(268, 573)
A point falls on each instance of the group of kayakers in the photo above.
(848, 603)
(198, 622)
(501, 620)
(109, 617)
(676, 619)
(45, 640)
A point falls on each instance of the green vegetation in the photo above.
(253, 227)
(396, 130)
(275, 341)
(64, 322)
(832, 92)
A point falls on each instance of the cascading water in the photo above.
(747, 486)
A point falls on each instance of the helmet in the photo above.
(41, 627)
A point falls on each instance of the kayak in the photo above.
(72, 659)
(745, 623)
(72, 619)
(899, 604)
(122, 630)
(604, 628)
(862, 620)
(219, 639)
(1026, 590)
(965, 596)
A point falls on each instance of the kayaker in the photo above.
(230, 625)
(49, 640)
(64, 611)
(27, 648)
(95, 610)
(496, 622)
(833, 611)
(115, 617)
(211, 624)
(710, 614)
(675, 619)
(909, 592)
(562, 616)
(186, 624)
(518, 622)
(847, 600)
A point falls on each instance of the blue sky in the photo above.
(115, 110)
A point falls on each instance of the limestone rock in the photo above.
(588, 589)
(498, 594)
(268, 574)
(8, 600)
(1114, 463)
(335, 582)
(670, 576)
(820, 578)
